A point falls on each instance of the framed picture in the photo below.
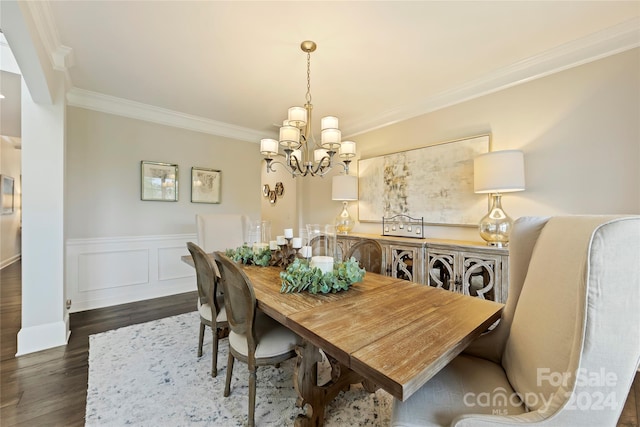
(7, 191)
(205, 185)
(159, 181)
(434, 183)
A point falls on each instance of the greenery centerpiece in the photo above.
(300, 276)
(248, 256)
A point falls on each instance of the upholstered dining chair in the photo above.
(210, 301)
(368, 253)
(254, 338)
(567, 348)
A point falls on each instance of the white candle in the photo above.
(306, 251)
(259, 247)
(324, 263)
(280, 240)
(288, 233)
(296, 243)
(273, 244)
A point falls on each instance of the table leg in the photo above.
(314, 397)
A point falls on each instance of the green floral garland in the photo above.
(299, 276)
(246, 255)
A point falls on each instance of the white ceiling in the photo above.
(377, 62)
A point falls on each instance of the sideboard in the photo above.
(469, 268)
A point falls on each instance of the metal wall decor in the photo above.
(273, 195)
(403, 226)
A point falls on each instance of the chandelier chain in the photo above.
(308, 97)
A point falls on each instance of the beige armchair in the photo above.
(567, 348)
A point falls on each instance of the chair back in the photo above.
(368, 253)
(217, 232)
(574, 333)
(207, 275)
(239, 299)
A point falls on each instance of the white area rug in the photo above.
(149, 375)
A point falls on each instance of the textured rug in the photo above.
(149, 375)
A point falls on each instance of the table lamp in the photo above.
(495, 173)
(345, 189)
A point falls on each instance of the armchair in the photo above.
(567, 347)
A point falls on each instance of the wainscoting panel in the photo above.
(102, 272)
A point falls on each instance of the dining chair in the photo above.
(368, 253)
(210, 302)
(567, 347)
(254, 338)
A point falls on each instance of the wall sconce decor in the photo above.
(273, 195)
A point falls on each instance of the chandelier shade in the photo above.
(303, 156)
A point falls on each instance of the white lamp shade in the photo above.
(268, 147)
(319, 154)
(344, 187)
(328, 122)
(297, 116)
(347, 149)
(499, 172)
(290, 136)
(330, 138)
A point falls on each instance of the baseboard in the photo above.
(9, 261)
(42, 337)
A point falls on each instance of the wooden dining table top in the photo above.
(393, 332)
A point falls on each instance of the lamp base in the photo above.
(344, 222)
(495, 226)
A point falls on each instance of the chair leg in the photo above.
(201, 339)
(252, 396)
(227, 384)
(214, 356)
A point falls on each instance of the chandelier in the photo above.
(302, 154)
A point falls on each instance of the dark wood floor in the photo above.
(49, 388)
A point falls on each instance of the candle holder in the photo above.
(285, 254)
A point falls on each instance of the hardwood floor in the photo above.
(49, 388)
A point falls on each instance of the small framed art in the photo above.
(159, 181)
(205, 185)
(7, 194)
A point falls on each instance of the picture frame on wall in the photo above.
(205, 185)
(7, 191)
(158, 181)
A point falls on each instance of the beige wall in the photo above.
(10, 243)
(579, 130)
(103, 176)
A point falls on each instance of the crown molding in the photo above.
(60, 56)
(613, 40)
(122, 107)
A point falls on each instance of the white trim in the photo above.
(7, 262)
(77, 97)
(613, 40)
(42, 337)
(105, 271)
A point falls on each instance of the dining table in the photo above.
(382, 332)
